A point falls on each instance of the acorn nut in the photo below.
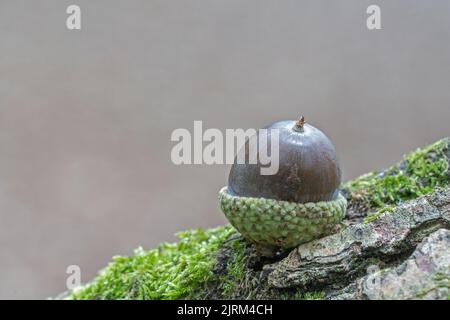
(299, 203)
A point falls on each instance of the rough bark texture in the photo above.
(424, 275)
(337, 260)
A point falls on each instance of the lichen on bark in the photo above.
(389, 214)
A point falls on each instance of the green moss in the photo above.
(310, 296)
(441, 281)
(314, 296)
(420, 173)
(298, 295)
(379, 213)
(235, 269)
(172, 271)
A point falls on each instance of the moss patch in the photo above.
(311, 296)
(379, 213)
(442, 281)
(239, 275)
(418, 174)
(235, 269)
(171, 271)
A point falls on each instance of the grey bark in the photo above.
(424, 275)
(342, 264)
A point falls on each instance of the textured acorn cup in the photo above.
(300, 203)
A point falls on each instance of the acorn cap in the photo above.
(281, 224)
(308, 167)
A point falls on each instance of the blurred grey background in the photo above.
(86, 116)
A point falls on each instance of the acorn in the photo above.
(299, 203)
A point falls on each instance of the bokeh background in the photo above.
(86, 116)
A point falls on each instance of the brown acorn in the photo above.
(308, 167)
(297, 204)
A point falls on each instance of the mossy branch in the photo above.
(218, 263)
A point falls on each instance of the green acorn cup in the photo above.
(299, 203)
